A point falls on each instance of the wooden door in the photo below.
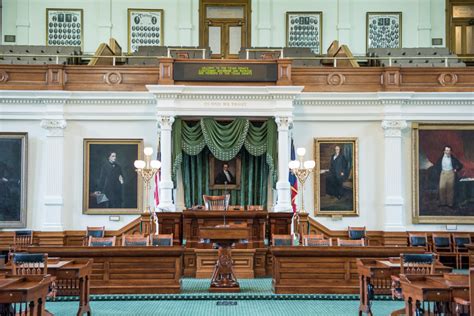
(460, 27)
(224, 26)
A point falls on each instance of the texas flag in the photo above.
(293, 180)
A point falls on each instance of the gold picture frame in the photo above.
(111, 184)
(13, 179)
(217, 179)
(437, 198)
(336, 178)
(305, 29)
(64, 27)
(145, 28)
(383, 30)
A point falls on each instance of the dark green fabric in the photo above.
(253, 183)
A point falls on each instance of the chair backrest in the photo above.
(23, 238)
(441, 241)
(101, 242)
(98, 231)
(161, 240)
(309, 238)
(350, 242)
(216, 202)
(29, 263)
(312, 242)
(416, 263)
(135, 240)
(460, 241)
(282, 240)
(418, 239)
(355, 233)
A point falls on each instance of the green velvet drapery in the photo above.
(255, 143)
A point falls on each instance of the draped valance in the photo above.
(225, 140)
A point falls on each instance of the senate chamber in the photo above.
(236, 157)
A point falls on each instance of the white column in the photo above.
(283, 184)
(394, 219)
(104, 9)
(23, 22)
(166, 184)
(424, 23)
(54, 175)
(185, 26)
(343, 22)
(264, 26)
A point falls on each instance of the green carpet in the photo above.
(256, 298)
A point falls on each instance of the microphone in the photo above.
(225, 200)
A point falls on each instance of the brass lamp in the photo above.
(301, 169)
(147, 170)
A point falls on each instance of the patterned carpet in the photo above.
(256, 298)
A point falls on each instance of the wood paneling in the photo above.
(243, 262)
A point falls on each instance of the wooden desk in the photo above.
(375, 273)
(330, 270)
(127, 270)
(433, 294)
(31, 289)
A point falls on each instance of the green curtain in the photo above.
(194, 141)
(253, 183)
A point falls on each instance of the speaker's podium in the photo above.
(223, 277)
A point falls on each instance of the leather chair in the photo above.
(418, 240)
(442, 245)
(161, 240)
(22, 239)
(282, 240)
(94, 231)
(216, 202)
(355, 233)
(459, 244)
(135, 241)
(29, 263)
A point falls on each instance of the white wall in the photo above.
(344, 20)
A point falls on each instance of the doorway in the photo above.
(460, 27)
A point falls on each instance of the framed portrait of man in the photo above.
(224, 174)
(13, 179)
(111, 184)
(336, 176)
(145, 28)
(443, 173)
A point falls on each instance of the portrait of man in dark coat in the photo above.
(338, 172)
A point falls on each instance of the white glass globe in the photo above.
(139, 164)
(148, 151)
(294, 164)
(155, 164)
(309, 164)
(301, 151)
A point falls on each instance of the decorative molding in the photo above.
(336, 79)
(165, 122)
(54, 127)
(113, 78)
(393, 128)
(283, 123)
(448, 79)
(3, 76)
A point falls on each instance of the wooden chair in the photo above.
(282, 240)
(442, 245)
(216, 202)
(350, 243)
(459, 244)
(94, 231)
(29, 263)
(135, 241)
(317, 242)
(101, 242)
(418, 240)
(411, 263)
(355, 233)
(22, 239)
(161, 240)
(308, 239)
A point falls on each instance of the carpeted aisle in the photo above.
(256, 298)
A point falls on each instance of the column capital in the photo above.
(54, 127)
(283, 122)
(165, 122)
(393, 128)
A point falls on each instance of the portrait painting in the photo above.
(443, 173)
(224, 174)
(336, 177)
(384, 30)
(304, 29)
(111, 184)
(64, 27)
(13, 179)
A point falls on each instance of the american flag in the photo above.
(293, 180)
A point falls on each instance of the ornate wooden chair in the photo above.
(29, 263)
(459, 244)
(216, 202)
(22, 239)
(161, 240)
(101, 242)
(135, 240)
(282, 240)
(350, 243)
(418, 240)
(94, 231)
(442, 245)
(355, 233)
